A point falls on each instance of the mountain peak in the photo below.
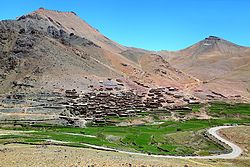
(215, 38)
(212, 44)
(222, 44)
(42, 10)
(70, 22)
(211, 41)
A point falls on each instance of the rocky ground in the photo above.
(23, 155)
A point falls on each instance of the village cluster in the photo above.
(96, 106)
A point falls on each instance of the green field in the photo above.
(169, 138)
(221, 109)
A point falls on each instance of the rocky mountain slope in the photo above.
(221, 65)
(52, 50)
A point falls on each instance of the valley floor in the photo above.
(14, 155)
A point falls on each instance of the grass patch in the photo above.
(196, 107)
(219, 109)
(11, 136)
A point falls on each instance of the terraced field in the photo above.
(186, 137)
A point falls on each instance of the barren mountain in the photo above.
(220, 64)
(52, 50)
(71, 23)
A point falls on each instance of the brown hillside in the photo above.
(220, 64)
(51, 50)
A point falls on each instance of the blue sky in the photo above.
(152, 24)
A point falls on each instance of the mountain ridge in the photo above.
(211, 60)
(57, 50)
(52, 50)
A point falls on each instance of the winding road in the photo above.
(236, 150)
